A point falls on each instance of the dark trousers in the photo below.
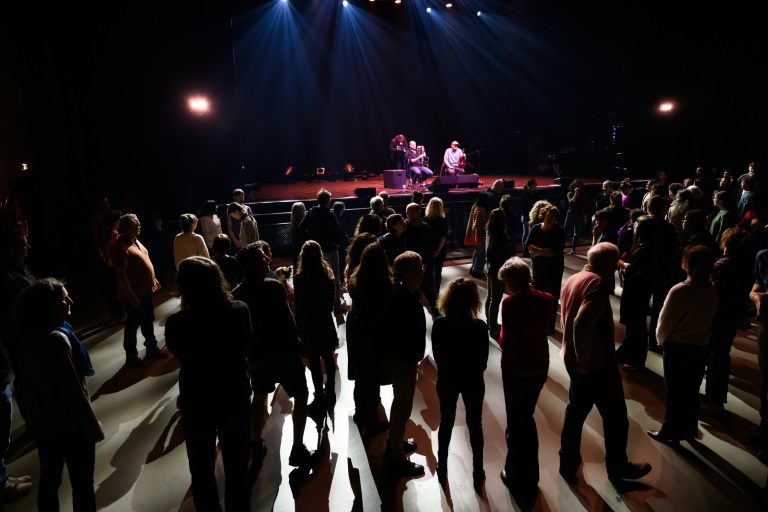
(574, 224)
(719, 362)
(56, 449)
(427, 287)
(439, 260)
(232, 425)
(472, 391)
(493, 301)
(683, 371)
(659, 292)
(548, 277)
(141, 317)
(6, 418)
(601, 388)
(520, 397)
(367, 394)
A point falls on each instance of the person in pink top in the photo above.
(589, 354)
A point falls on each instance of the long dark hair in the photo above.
(201, 283)
(370, 283)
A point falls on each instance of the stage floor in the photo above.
(301, 190)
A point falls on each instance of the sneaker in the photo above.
(403, 468)
(133, 361)
(300, 456)
(13, 491)
(155, 353)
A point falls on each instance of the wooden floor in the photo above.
(142, 463)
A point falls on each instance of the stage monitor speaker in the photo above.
(564, 181)
(394, 178)
(509, 186)
(442, 184)
(467, 180)
(365, 192)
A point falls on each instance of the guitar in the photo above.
(463, 160)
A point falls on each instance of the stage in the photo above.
(303, 190)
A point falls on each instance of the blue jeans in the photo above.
(142, 317)
(478, 258)
(6, 417)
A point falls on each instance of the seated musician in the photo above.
(416, 166)
(454, 159)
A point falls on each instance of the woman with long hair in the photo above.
(369, 288)
(497, 252)
(298, 212)
(57, 405)
(188, 243)
(460, 347)
(355, 252)
(214, 385)
(314, 296)
(438, 227)
(475, 234)
(545, 244)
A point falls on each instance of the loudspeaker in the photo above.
(467, 180)
(365, 192)
(509, 186)
(443, 183)
(564, 181)
(394, 178)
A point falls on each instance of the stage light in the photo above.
(429, 9)
(198, 105)
(345, 3)
(478, 13)
(666, 107)
(398, 1)
(24, 167)
(449, 5)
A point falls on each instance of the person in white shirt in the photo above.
(454, 159)
(188, 243)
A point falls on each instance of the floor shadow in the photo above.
(127, 377)
(172, 436)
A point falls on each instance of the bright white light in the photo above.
(198, 105)
(429, 9)
(449, 4)
(345, 3)
(398, 1)
(666, 107)
(479, 13)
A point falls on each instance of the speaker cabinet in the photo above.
(394, 178)
(365, 192)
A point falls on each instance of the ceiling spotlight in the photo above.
(449, 4)
(198, 105)
(429, 9)
(345, 3)
(398, 1)
(479, 13)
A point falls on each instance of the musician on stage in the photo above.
(417, 163)
(454, 159)
(397, 149)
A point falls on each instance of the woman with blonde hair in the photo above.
(460, 347)
(314, 297)
(438, 231)
(188, 243)
(298, 212)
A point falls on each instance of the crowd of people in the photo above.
(692, 256)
